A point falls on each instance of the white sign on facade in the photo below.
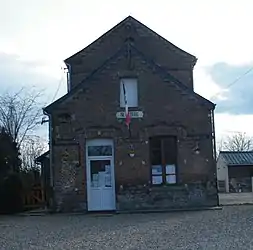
(133, 114)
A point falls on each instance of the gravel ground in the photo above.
(230, 228)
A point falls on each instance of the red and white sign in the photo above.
(128, 116)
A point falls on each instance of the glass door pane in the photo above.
(100, 171)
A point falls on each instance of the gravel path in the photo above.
(230, 228)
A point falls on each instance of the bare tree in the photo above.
(219, 146)
(31, 148)
(238, 142)
(20, 112)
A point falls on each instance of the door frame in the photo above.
(99, 142)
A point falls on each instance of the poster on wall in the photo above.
(101, 179)
(156, 169)
(157, 179)
(108, 182)
(107, 169)
(171, 179)
(170, 169)
(94, 182)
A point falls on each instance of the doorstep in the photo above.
(37, 212)
(168, 210)
(118, 212)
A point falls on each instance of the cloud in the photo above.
(57, 29)
(225, 124)
(211, 83)
(15, 73)
(237, 97)
(204, 84)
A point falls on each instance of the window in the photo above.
(100, 150)
(131, 91)
(163, 160)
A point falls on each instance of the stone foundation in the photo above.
(69, 201)
(167, 197)
(139, 197)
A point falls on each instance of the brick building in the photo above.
(164, 160)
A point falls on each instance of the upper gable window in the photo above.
(128, 92)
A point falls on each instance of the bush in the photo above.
(11, 194)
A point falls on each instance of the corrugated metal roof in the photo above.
(237, 158)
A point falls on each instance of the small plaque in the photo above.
(133, 114)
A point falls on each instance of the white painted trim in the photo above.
(100, 142)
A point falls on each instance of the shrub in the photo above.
(11, 200)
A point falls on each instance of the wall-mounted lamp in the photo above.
(197, 149)
(131, 151)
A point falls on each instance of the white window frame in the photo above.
(131, 85)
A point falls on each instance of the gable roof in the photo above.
(80, 85)
(146, 29)
(160, 70)
(42, 157)
(163, 72)
(237, 157)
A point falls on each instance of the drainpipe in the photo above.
(68, 75)
(50, 129)
(213, 135)
(214, 154)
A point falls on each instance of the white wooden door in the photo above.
(100, 175)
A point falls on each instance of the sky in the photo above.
(36, 36)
